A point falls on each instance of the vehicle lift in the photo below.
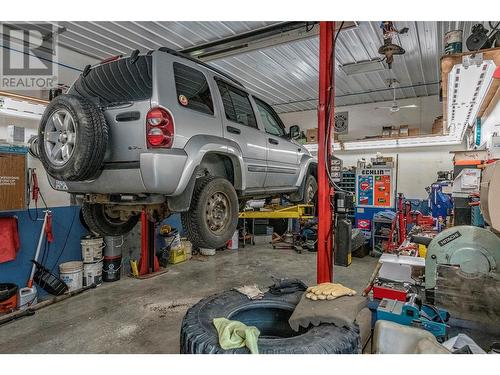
(326, 108)
(149, 264)
(288, 240)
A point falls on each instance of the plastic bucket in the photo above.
(72, 274)
(111, 267)
(453, 42)
(114, 246)
(172, 239)
(91, 249)
(92, 273)
(8, 297)
(207, 252)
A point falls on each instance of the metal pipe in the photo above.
(38, 248)
(325, 190)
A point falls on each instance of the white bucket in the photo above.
(27, 297)
(92, 249)
(92, 273)
(232, 244)
(72, 274)
(207, 252)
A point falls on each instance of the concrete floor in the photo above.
(144, 316)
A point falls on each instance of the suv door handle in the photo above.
(233, 130)
(273, 141)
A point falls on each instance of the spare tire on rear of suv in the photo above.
(72, 138)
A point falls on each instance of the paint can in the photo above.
(453, 42)
(172, 238)
(91, 249)
(72, 274)
(26, 298)
(111, 268)
(92, 273)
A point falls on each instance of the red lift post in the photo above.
(325, 117)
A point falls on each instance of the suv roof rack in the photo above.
(218, 71)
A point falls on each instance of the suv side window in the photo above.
(237, 105)
(272, 122)
(192, 89)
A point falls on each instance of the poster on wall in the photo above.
(374, 187)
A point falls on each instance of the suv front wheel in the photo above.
(213, 215)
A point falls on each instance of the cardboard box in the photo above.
(413, 132)
(312, 135)
(386, 131)
(403, 131)
(437, 126)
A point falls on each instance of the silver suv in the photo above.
(166, 133)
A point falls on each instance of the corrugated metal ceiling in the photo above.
(285, 75)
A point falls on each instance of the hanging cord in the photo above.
(65, 241)
(34, 193)
(329, 115)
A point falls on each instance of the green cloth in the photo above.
(234, 334)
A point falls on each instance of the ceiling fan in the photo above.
(395, 107)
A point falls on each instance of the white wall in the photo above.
(418, 166)
(365, 120)
(417, 169)
(52, 197)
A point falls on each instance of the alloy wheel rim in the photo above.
(60, 137)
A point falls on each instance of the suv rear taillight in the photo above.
(159, 128)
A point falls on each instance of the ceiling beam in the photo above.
(269, 36)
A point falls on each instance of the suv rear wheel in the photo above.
(102, 220)
(213, 215)
(72, 138)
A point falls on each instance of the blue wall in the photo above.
(65, 224)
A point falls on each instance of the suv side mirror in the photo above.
(294, 132)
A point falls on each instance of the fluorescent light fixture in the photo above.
(374, 144)
(468, 84)
(362, 67)
(21, 108)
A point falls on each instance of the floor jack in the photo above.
(148, 263)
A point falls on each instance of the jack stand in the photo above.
(148, 263)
